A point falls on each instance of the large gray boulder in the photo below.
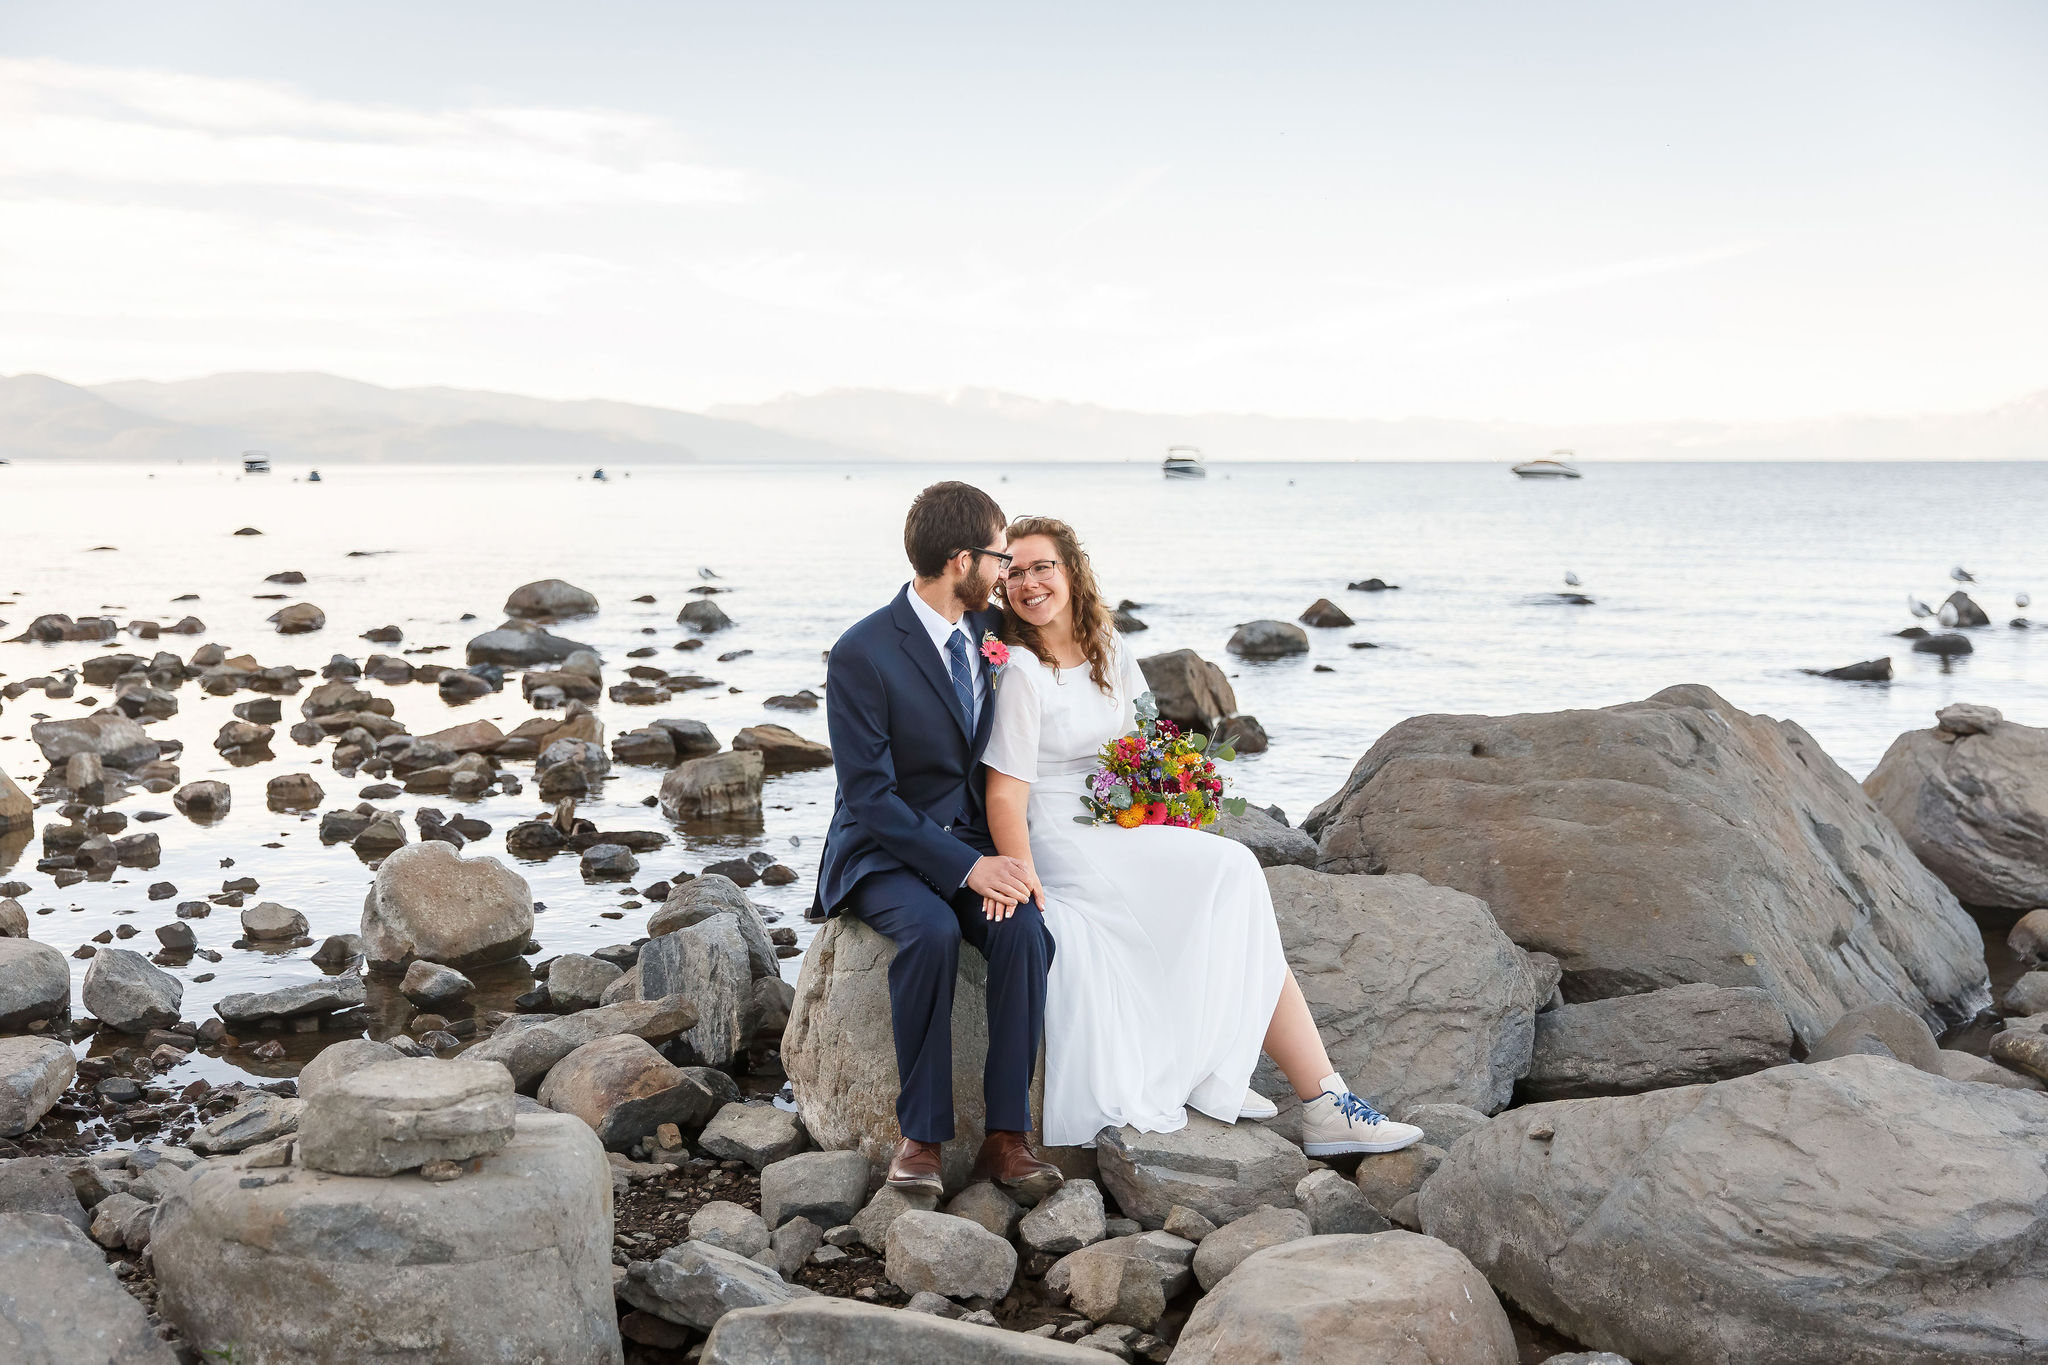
(694, 1284)
(1273, 843)
(848, 1332)
(1129, 1279)
(708, 965)
(1268, 640)
(828, 1188)
(943, 1254)
(1681, 1035)
(1393, 1298)
(550, 598)
(510, 1262)
(529, 1045)
(1663, 842)
(1970, 797)
(519, 644)
(115, 740)
(1858, 1209)
(60, 1303)
(1231, 1245)
(340, 1059)
(1190, 691)
(33, 1073)
(35, 983)
(1220, 1170)
(430, 902)
(40, 1184)
(1419, 996)
(718, 785)
(325, 995)
(624, 1090)
(128, 994)
(711, 895)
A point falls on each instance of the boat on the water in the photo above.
(1184, 462)
(255, 462)
(599, 476)
(1557, 466)
(313, 477)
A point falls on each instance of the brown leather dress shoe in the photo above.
(1007, 1159)
(915, 1167)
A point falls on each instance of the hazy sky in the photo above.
(1514, 210)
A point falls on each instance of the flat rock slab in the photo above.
(1681, 1035)
(1394, 1298)
(1812, 1212)
(758, 1134)
(1221, 1171)
(60, 1303)
(848, 1332)
(511, 1262)
(328, 995)
(694, 1284)
(397, 1116)
(263, 1118)
(1662, 842)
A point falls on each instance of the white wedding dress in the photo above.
(1167, 961)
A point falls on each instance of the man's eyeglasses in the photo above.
(1002, 560)
(1040, 572)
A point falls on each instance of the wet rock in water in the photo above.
(782, 749)
(550, 597)
(384, 635)
(1870, 670)
(1325, 614)
(61, 1303)
(758, 1134)
(624, 1090)
(723, 784)
(428, 902)
(829, 1330)
(703, 616)
(1395, 1296)
(1970, 797)
(576, 981)
(396, 1116)
(35, 981)
(339, 1059)
(1763, 862)
(2028, 995)
(520, 644)
(609, 862)
(268, 921)
(805, 700)
(1070, 1218)
(652, 747)
(1418, 994)
(125, 993)
(941, 1254)
(16, 810)
(206, 800)
(1273, 842)
(116, 740)
(153, 702)
(2024, 1050)
(337, 950)
(1372, 585)
(529, 1047)
(1268, 640)
(14, 923)
(334, 1270)
(1124, 622)
(461, 687)
(298, 619)
(693, 738)
(244, 736)
(778, 874)
(738, 871)
(1967, 612)
(1243, 733)
(33, 1073)
(1219, 1170)
(1741, 1248)
(1947, 644)
(262, 1118)
(828, 1188)
(1190, 691)
(694, 1284)
(431, 985)
(1681, 1035)
(328, 995)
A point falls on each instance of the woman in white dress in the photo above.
(1168, 978)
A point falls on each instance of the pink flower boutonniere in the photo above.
(998, 655)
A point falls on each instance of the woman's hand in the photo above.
(996, 909)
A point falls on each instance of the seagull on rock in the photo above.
(1571, 580)
(1949, 615)
(2022, 601)
(1917, 607)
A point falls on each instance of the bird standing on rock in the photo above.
(1949, 614)
(1571, 580)
(2022, 601)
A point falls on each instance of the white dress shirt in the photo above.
(941, 630)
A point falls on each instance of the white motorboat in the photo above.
(1184, 462)
(1557, 466)
(255, 462)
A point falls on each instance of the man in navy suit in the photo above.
(909, 704)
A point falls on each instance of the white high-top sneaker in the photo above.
(1257, 1106)
(1337, 1122)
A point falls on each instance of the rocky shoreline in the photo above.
(1664, 986)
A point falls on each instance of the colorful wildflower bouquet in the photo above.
(1159, 775)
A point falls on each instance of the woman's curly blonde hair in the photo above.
(1091, 618)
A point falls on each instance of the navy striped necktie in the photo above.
(963, 673)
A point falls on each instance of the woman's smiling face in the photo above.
(1036, 585)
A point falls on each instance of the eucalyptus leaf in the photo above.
(1228, 753)
(1084, 820)
(1119, 798)
(1199, 742)
(1235, 805)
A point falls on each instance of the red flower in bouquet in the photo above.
(1158, 775)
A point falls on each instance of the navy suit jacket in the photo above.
(910, 794)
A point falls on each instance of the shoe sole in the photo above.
(922, 1185)
(1035, 1187)
(1365, 1148)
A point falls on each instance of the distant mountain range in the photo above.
(316, 418)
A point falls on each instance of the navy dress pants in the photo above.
(927, 930)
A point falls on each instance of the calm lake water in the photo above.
(1736, 576)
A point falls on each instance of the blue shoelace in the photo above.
(1355, 1109)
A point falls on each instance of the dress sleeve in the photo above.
(1134, 684)
(1013, 735)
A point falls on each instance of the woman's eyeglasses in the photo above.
(1042, 571)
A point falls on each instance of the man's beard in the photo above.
(972, 591)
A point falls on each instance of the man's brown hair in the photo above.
(946, 519)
